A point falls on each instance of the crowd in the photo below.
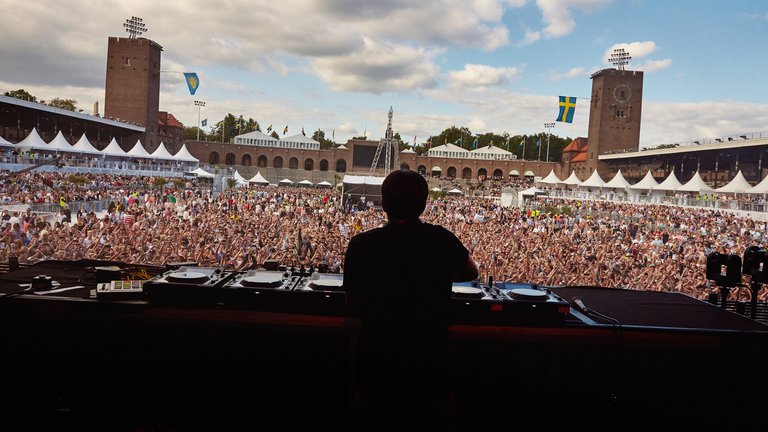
(551, 242)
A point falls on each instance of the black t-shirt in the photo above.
(398, 280)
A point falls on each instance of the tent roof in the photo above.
(114, 149)
(738, 185)
(257, 135)
(286, 181)
(240, 179)
(408, 150)
(203, 173)
(572, 179)
(647, 182)
(84, 146)
(4, 143)
(551, 178)
(531, 191)
(341, 147)
(59, 143)
(491, 149)
(449, 147)
(139, 151)
(370, 180)
(324, 183)
(33, 141)
(618, 181)
(594, 180)
(306, 182)
(184, 155)
(299, 138)
(670, 183)
(695, 184)
(162, 153)
(258, 178)
(760, 188)
(456, 191)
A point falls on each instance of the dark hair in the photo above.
(404, 194)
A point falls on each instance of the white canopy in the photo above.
(184, 155)
(436, 168)
(305, 182)
(593, 181)
(84, 146)
(738, 185)
(240, 179)
(138, 151)
(285, 181)
(551, 178)
(369, 180)
(33, 141)
(114, 149)
(203, 173)
(531, 191)
(618, 181)
(455, 192)
(572, 179)
(529, 173)
(759, 188)
(695, 184)
(59, 143)
(162, 153)
(4, 143)
(514, 172)
(671, 183)
(324, 183)
(259, 179)
(646, 183)
(436, 189)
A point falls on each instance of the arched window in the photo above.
(230, 159)
(482, 172)
(341, 165)
(277, 162)
(323, 164)
(404, 166)
(262, 161)
(213, 158)
(293, 163)
(451, 173)
(309, 164)
(246, 160)
(498, 174)
(421, 169)
(466, 173)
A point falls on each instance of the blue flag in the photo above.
(204, 123)
(192, 82)
(567, 108)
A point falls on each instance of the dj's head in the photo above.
(404, 195)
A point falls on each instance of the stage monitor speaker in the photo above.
(271, 265)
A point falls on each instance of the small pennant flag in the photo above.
(302, 132)
(204, 123)
(269, 129)
(285, 131)
(567, 108)
(192, 81)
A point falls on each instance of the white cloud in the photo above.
(636, 50)
(475, 75)
(576, 72)
(557, 14)
(655, 65)
(530, 37)
(379, 67)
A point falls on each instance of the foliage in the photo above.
(67, 104)
(325, 144)
(20, 94)
(190, 133)
(232, 125)
(231, 182)
(160, 182)
(463, 137)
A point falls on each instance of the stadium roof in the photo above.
(716, 146)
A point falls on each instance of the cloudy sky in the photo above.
(338, 65)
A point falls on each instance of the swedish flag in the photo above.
(285, 131)
(567, 108)
(192, 81)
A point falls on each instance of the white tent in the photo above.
(436, 189)
(258, 179)
(184, 155)
(671, 183)
(572, 179)
(4, 143)
(324, 183)
(551, 178)
(759, 188)
(114, 149)
(84, 146)
(33, 141)
(531, 191)
(455, 192)
(162, 153)
(646, 183)
(593, 181)
(138, 151)
(240, 179)
(738, 185)
(695, 184)
(305, 182)
(285, 181)
(203, 173)
(60, 144)
(618, 181)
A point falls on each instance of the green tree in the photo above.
(67, 104)
(190, 133)
(231, 182)
(232, 126)
(319, 136)
(21, 94)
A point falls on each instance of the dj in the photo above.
(398, 280)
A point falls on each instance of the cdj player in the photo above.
(268, 290)
(321, 293)
(505, 303)
(187, 285)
